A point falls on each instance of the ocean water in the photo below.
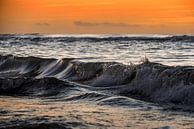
(165, 49)
(96, 81)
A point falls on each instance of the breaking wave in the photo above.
(147, 81)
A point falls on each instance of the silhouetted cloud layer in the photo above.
(42, 24)
(107, 24)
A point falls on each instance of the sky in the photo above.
(97, 16)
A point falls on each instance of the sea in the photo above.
(96, 81)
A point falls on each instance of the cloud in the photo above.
(106, 24)
(89, 24)
(42, 24)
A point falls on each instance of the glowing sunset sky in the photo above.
(97, 16)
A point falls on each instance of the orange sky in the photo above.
(97, 16)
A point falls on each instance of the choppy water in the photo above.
(87, 81)
(174, 50)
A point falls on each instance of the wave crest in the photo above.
(147, 81)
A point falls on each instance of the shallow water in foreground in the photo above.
(22, 112)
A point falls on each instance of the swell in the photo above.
(36, 87)
(42, 38)
(148, 81)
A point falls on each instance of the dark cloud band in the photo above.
(107, 24)
(42, 24)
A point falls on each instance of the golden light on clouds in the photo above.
(97, 16)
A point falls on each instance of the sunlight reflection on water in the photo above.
(26, 111)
